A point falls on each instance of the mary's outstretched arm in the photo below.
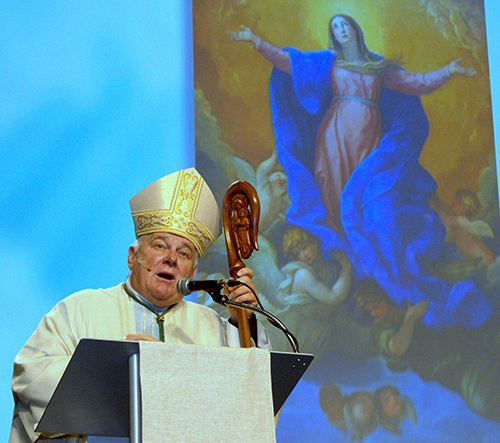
(275, 55)
(420, 84)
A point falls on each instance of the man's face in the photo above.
(159, 262)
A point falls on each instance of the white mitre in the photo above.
(180, 203)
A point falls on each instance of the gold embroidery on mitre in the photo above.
(187, 197)
(180, 217)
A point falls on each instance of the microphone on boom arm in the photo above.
(186, 286)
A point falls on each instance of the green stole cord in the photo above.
(160, 318)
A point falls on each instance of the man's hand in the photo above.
(242, 294)
(140, 337)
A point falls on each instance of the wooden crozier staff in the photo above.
(240, 218)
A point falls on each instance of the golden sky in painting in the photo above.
(425, 35)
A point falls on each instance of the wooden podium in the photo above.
(99, 393)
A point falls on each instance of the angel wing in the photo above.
(409, 408)
(479, 228)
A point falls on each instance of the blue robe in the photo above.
(391, 233)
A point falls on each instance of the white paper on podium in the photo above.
(195, 394)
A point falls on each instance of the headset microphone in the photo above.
(139, 260)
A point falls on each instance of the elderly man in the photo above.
(176, 219)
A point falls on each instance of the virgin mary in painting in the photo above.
(349, 129)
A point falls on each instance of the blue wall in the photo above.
(96, 103)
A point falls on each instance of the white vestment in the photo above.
(104, 314)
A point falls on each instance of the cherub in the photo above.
(360, 414)
(463, 225)
(312, 274)
(393, 408)
(332, 403)
(355, 413)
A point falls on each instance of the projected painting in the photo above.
(366, 129)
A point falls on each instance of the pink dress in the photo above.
(351, 128)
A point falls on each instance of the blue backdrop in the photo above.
(96, 103)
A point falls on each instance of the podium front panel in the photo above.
(92, 397)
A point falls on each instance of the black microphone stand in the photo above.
(222, 299)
